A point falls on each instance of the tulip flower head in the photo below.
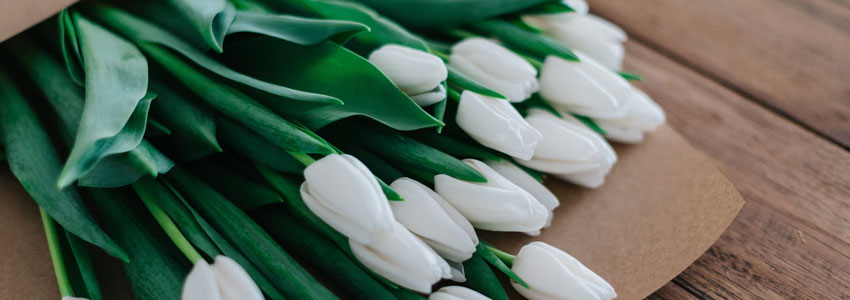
(434, 220)
(586, 87)
(496, 124)
(592, 35)
(495, 67)
(644, 116)
(553, 274)
(417, 73)
(497, 205)
(344, 193)
(522, 179)
(402, 258)
(223, 280)
(456, 292)
(569, 150)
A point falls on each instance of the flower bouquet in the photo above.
(360, 143)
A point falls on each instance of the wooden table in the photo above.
(763, 88)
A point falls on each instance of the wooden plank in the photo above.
(671, 291)
(791, 238)
(790, 55)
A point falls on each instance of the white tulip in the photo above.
(223, 280)
(417, 73)
(519, 177)
(496, 124)
(434, 220)
(644, 116)
(456, 292)
(344, 193)
(569, 150)
(579, 6)
(552, 274)
(497, 205)
(495, 67)
(586, 87)
(402, 258)
(589, 34)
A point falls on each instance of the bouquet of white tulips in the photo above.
(239, 149)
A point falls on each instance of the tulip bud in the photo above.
(223, 280)
(497, 125)
(522, 179)
(586, 87)
(497, 205)
(592, 35)
(434, 220)
(456, 292)
(569, 150)
(644, 116)
(399, 256)
(417, 73)
(495, 67)
(344, 193)
(553, 274)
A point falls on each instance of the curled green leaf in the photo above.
(35, 162)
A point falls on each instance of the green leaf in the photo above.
(115, 112)
(321, 254)
(152, 190)
(67, 100)
(70, 47)
(630, 76)
(447, 13)
(154, 272)
(328, 68)
(210, 18)
(193, 124)
(34, 161)
(523, 41)
(234, 184)
(481, 278)
(536, 101)
(464, 83)
(590, 123)
(291, 279)
(299, 30)
(455, 148)
(155, 128)
(383, 31)
(85, 266)
(497, 263)
(215, 19)
(239, 106)
(143, 32)
(405, 152)
(241, 140)
(198, 231)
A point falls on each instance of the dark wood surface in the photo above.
(763, 88)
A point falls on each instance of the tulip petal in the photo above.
(424, 216)
(586, 87)
(201, 283)
(495, 67)
(413, 71)
(456, 292)
(234, 283)
(497, 205)
(553, 274)
(497, 125)
(402, 258)
(344, 193)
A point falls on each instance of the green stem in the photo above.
(303, 158)
(505, 257)
(461, 33)
(172, 231)
(56, 255)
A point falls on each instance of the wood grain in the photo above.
(791, 238)
(793, 56)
